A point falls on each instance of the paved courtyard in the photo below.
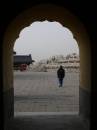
(39, 92)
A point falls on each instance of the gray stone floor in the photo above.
(39, 92)
(35, 90)
(48, 122)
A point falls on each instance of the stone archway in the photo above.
(50, 13)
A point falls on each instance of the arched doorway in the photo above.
(50, 13)
(51, 45)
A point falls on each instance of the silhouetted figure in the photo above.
(61, 75)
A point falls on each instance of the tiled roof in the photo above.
(22, 59)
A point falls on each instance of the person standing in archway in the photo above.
(60, 75)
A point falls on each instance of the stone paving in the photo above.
(39, 92)
(48, 122)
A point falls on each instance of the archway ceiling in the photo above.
(78, 8)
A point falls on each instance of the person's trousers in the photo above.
(61, 82)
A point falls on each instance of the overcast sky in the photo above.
(45, 39)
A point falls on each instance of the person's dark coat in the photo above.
(61, 73)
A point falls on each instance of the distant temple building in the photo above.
(20, 62)
(70, 62)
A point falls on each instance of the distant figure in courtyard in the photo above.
(60, 75)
